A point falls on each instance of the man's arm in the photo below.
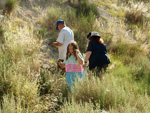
(57, 44)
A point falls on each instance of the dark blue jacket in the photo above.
(99, 56)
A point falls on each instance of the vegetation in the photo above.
(26, 86)
(2, 31)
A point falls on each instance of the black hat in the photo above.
(93, 34)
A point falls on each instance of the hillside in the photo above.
(29, 81)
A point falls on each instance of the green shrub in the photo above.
(45, 82)
(135, 105)
(40, 32)
(129, 54)
(85, 7)
(70, 18)
(140, 68)
(112, 93)
(5, 86)
(126, 51)
(10, 104)
(105, 93)
(51, 18)
(84, 26)
(5, 74)
(53, 90)
(2, 31)
(136, 14)
(52, 84)
(10, 5)
(78, 107)
(17, 49)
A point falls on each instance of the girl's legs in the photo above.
(71, 78)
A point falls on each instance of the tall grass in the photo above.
(126, 50)
(78, 107)
(26, 88)
(130, 54)
(113, 92)
(25, 91)
(136, 14)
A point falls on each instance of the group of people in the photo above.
(71, 59)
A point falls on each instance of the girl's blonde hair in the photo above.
(75, 46)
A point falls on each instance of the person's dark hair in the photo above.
(75, 46)
(99, 39)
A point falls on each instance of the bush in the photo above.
(140, 68)
(51, 18)
(85, 7)
(5, 74)
(18, 47)
(126, 51)
(5, 86)
(104, 93)
(70, 18)
(136, 14)
(2, 31)
(10, 5)
(52, 84)
(53, 90)
(112, 93)
(84, 26)
(40, 32)
(10, 104)
(78, 107)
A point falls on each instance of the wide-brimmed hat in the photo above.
(59, 21)
(91, 34)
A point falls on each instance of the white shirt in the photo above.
(65, 36)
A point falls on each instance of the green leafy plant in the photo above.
(85, 7)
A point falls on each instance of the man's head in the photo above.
(60, 24)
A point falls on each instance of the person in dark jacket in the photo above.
(96, 54)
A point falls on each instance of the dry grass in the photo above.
(136, 13)
(25, 87)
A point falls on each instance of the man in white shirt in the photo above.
(65, 36)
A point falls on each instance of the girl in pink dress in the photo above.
(73, 64)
